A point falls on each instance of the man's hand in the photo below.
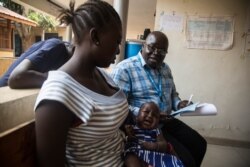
(183, 103)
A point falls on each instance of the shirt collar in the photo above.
(141, 59)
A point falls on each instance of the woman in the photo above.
(79, 109)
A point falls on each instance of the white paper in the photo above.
(202, 109)
(197, 109)
(190, 108)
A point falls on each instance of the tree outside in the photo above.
(26, 32)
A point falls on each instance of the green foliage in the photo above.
(12, 6)
(46, 22)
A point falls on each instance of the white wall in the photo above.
(140, 16)
(218, 77)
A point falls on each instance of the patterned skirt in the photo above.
(153, 158)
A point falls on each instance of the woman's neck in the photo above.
(77, 66)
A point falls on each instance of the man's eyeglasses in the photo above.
(153, 49)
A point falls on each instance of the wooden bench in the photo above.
(16, 107)
(17, 146)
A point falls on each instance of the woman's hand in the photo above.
(130, 133)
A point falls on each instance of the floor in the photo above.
(224, 156)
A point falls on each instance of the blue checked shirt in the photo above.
(131, 76)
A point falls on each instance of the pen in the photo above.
(189, 100)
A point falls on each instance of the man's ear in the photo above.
(143, 45)
(94, 36)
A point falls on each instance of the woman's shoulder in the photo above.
(60, 85)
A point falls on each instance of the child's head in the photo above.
(149, 116)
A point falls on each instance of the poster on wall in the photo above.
(213, 32)
(247, 34)
(171, 22)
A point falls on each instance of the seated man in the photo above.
(146, 77)
(30, 69)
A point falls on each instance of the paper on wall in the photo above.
(210, 32)
(171, 22)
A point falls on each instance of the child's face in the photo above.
(149, 116)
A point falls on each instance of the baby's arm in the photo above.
(165, 146)
(160, 145)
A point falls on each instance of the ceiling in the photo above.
(51, 6)
(140, 13)
(13, 16)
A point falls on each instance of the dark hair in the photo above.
(93, 13)
(148, 103)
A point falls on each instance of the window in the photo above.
(4, 38)
(5, 35)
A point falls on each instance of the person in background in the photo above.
(146, 32)
(30, 70)
(146, 144)
(145, 78)
(79, 109)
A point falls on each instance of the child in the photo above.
(146, 145)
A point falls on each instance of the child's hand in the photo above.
(149, 146)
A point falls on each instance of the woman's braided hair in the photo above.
(93, 13)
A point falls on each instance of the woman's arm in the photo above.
(53, 120)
